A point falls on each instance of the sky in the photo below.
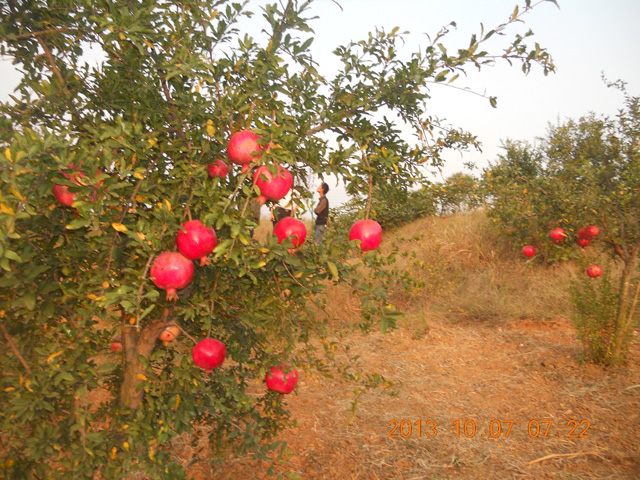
(585, 37)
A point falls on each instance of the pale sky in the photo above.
(585, 37)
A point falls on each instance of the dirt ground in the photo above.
(499, 401)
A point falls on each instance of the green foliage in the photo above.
(585, 172)
(595, 303)
(131, 135)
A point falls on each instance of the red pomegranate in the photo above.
(369, 232)
(272, 187)
(172, 271)
(557, 235)
(116, 344)
(593, 231)
(281, 382)
(289, 226)
(195, 241)
(594, 271)
(209, 353)
(218, 169)
(529, 251)
(62, 193)
(243, 148)
(168, 334)
(583, 241)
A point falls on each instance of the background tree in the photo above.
(584, 172)
(131, 135)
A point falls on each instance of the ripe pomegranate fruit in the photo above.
(168, 334)
(289, 226)
(195, 241)
(529, 251)
(583, 241)
(218, 169)
(243, 148)
(557, 235)
(593, 231)
(594, 271)
(281, 382)
(272, 187)
(369, 232)
(209, 353)
(172, 271)
(116, 344)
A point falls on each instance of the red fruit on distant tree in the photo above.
(169, 334)
(63, 195)
(209, 353)
(291, 227)
(369, 232)
(243, 148)
(582, 233)
(116, 344)
(583, 241)
(593, 231)
(594, 271)
(529, 251)
(218, 169)
(195, 241)
(272, 187)
(172, 271)
(557, 235)
(281, 382)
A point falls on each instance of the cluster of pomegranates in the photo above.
(174, 270)
(585, 236)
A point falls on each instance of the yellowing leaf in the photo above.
(51, 357)
(7, 153)
(140, 376)
(17, 194)
(178, 400)
(138, 175)
(121, 35)
(140, 235)
(168, 204)
(125, 445)
(6, 209)
(148, 43)
(153, 142)
(105, 284)
(211, 130)
(9, 389)
(118, 227)
(114, 451)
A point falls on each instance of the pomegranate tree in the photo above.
(291, 227)
(243, 148)
(281, 382)
(369, 232)
(218, 169)
(172, 271)
(195, 241)
(209, 353)
(529, 251)
(272, 187)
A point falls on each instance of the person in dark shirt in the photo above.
(322, 213)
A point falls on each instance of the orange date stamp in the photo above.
(489, 429)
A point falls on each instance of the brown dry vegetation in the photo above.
(489, 340)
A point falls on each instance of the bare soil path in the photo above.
(508, 401)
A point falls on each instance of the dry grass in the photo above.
(498, 347)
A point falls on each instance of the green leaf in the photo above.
(77, 223)
(333, 270)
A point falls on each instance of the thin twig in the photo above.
(566, 455)
(14, 348)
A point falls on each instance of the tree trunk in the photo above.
(624, 318)
(137, 344)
